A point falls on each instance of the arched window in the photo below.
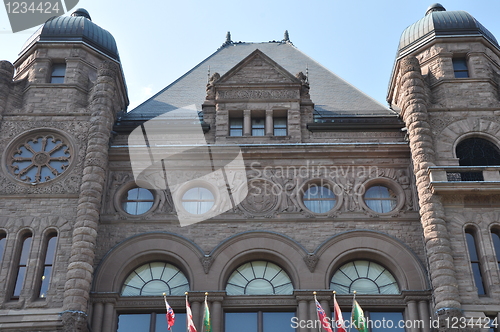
(3, 239)
(319, 199)
(154, 279)
(477, 151)
(50, 255)
(22, 264)
(474, 261)
(364, 277)
(495, 236)
(259, 278)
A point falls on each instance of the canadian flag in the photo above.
(189, 317)
(339, 321)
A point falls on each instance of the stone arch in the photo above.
(381, 248)
(455, 132)
(258, 245)
(143, 248)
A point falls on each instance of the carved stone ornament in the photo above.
(311, 261)
(207, 263)
(74, 321)
(262, 198)
(39, 157)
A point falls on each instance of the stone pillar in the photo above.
(6, 77)
(313, 314)
(247, 123)
(436, 237)
(269, 123)
(97, 317)
(216, 316)
(302, 314)
(80, 268)
(108, 323)
(412, 311)
(195, 309)
(423, 311)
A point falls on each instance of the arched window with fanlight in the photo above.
(364, 277)
(154, 279)
(476, 151)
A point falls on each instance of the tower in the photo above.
(58, 104)
(445, 87)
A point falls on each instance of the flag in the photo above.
(337, 316)
(206, 318)
(170, 314)
(189, 318)
(358, 318)
(325, 323)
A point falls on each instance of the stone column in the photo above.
(195, 309)
(109, 318)
(80, 268)
(6, 77)
(423, 311)
(216, 318)
(247, 123)
(437, 241)
(97, 317)
(302, 314)
(412, 311)
(269, 123)
(313, 314)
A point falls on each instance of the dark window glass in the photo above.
(137, 201)
(377, 321)
(460, 67)
(477, 151)
(235, 127)
(475, 263)
(3, 239)
(258, 127)
(277, 321)
(279, 126)
(496, 243)
(47, 267)
(259, 321)
(241, 321)
(21, 269)
(134, 322)
(58, 72)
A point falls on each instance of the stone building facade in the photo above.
(399, 204)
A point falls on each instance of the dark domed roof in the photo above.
(437, 23)
(77, 27)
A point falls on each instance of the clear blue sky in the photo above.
(159, 41)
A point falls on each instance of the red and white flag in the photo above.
(337, 316)
(189, 318)
(170, 314)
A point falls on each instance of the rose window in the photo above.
(40, 159)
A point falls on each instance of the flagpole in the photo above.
(352, 309)
(317, 313)
(335, 325)
(187, 313)
(203, 328)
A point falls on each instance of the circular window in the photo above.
(154, 279)
(198, 200)
(39, 158)
(137, 201)
(364, 277)
(319, 199)
(259, 278)
(380, 199)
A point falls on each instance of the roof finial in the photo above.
(228, 37)
(307, 73)
(286, 37)
(208, 78)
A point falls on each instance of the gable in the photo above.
(257, 68)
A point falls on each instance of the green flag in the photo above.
(358, 318)
(206, 319)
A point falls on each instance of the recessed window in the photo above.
(40, 158)
(137, 201)
(496, 244)
(3, 240)
(198, 200)
(279, 125)
(476, 151)
(258, 127)
(235, 126)
(22, 265)
(474, 261)
(154, 279)
(380, 199)
(58, 73)
(50, 255)
(460, 67)
(319, 199)
(364, 277)
(259, 278)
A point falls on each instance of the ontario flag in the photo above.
(337, 316)
(189, 318)
(325, 323)
(170, 314)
